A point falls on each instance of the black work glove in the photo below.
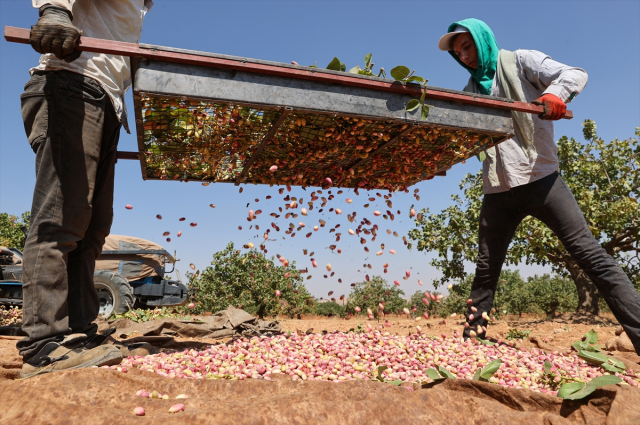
(54, 33)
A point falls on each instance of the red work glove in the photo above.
(554, 107)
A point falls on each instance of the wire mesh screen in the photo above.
(309, 147)
(194, 140)
(421, 154)
(215, 141)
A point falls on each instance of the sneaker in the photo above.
(126, 349)
(70, 353)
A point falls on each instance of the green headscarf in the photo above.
(487, 52)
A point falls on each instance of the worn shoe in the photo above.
(70, 353)
(126, 349)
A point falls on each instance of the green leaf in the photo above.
(343, 67)
(490, 369)
(611, 368)
(547, 366)
(422, 96)
(616, 363)
(395, 382)
(592, 357)
(481, 156)
(380, 370)
(367, 60)
(412, 105)
(424, 112)
(603, 380)
(399, 73)
(355, 70)
(486, 341)
(445, 373)
(415, 78)
(433, 374)
(579, 345)
(591, 348)
(335, 65)
(592, 385)
(591, 337)
(476, 376)
(570, 388)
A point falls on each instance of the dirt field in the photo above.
(561, 332)
(105, 396)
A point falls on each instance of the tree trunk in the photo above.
(588, 295)
(552, 309)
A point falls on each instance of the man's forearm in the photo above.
(550, 76)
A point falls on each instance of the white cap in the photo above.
(445, 41)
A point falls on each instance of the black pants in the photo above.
(550, 201)
(73, 129)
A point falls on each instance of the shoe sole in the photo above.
(109, 359)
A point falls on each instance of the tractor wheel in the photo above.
(114, 293)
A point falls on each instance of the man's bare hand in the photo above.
(54, 33)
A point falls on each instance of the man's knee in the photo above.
(591, 256)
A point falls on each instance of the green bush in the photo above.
(551, 295)
(456, 301)
(329, 308)
(434, 309)
(370, 294)
(249, 280)
(508, 297)
(11, 235)
(513, 295)
(539, 294)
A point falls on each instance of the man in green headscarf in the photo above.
(521, 177)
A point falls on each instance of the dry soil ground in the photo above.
(561, 332)
(99, 396)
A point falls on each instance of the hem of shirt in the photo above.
(501, 189)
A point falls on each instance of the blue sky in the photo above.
(602, 37)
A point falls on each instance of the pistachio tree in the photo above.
(552, 294)
(250, 281)
(605, 180)
(424, 304)
(11, 229)
(369, 294)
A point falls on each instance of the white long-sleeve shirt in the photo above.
(539, 75)
(119, 20)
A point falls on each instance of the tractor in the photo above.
(130, 273)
